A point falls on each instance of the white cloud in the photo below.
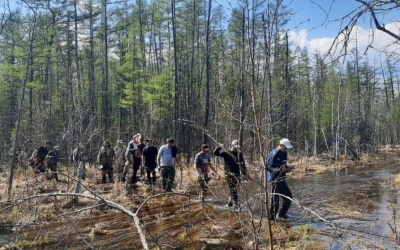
(299, 39)
(378, 40)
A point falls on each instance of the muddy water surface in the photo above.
(5, 234)
(360, 205)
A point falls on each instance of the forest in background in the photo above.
(87, 71)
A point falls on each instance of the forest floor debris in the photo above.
(178, 220)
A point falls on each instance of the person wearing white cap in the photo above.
(276, 174)
(234, 167)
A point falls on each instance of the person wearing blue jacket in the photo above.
(277, 168)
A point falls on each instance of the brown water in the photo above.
(5, 234)
(360, 204)
(351, 208)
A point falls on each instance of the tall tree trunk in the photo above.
(360, 118)
(267, 41)
(385, 88)
(338, 118)
(391, 78)
(314, 112)
(91, 76)
(30, 95)
(78, 68)
(28, 64)
(287, 86)
(106, 108)
(208, 68)
(176, 94)
(48, 82)
(241, 87)
(70, 85)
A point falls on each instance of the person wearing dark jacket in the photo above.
(277, 168)
(105, 158)
(234, 168)
(38, 158)
(134, 154)
(150, 161)
(52, 161)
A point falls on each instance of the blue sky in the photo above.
(315, 24)
(325, 22)
(322, 15)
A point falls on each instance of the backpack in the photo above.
(41, 153)
(31, 162)
(174, 151)
(50, 160)
(104, 158)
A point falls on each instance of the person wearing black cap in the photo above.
(277, 168)
(149, 160)
(166, 158)
(202, 163)
(38, 157)
(234, 167)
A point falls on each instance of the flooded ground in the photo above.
(5, 234)
(353, 208)
(360, 204)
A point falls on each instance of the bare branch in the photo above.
(377, 24)
(96, 197)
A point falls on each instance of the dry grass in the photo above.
(316, 165)
(390, 149)
(396, 180)
(167, 219)
(98, 230)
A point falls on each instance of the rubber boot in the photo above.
(56, 177)
(123, 177)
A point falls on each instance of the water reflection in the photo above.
(5, 234)
(359, 201)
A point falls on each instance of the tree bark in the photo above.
(241, 86)
(208, 68)
(176, 94)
